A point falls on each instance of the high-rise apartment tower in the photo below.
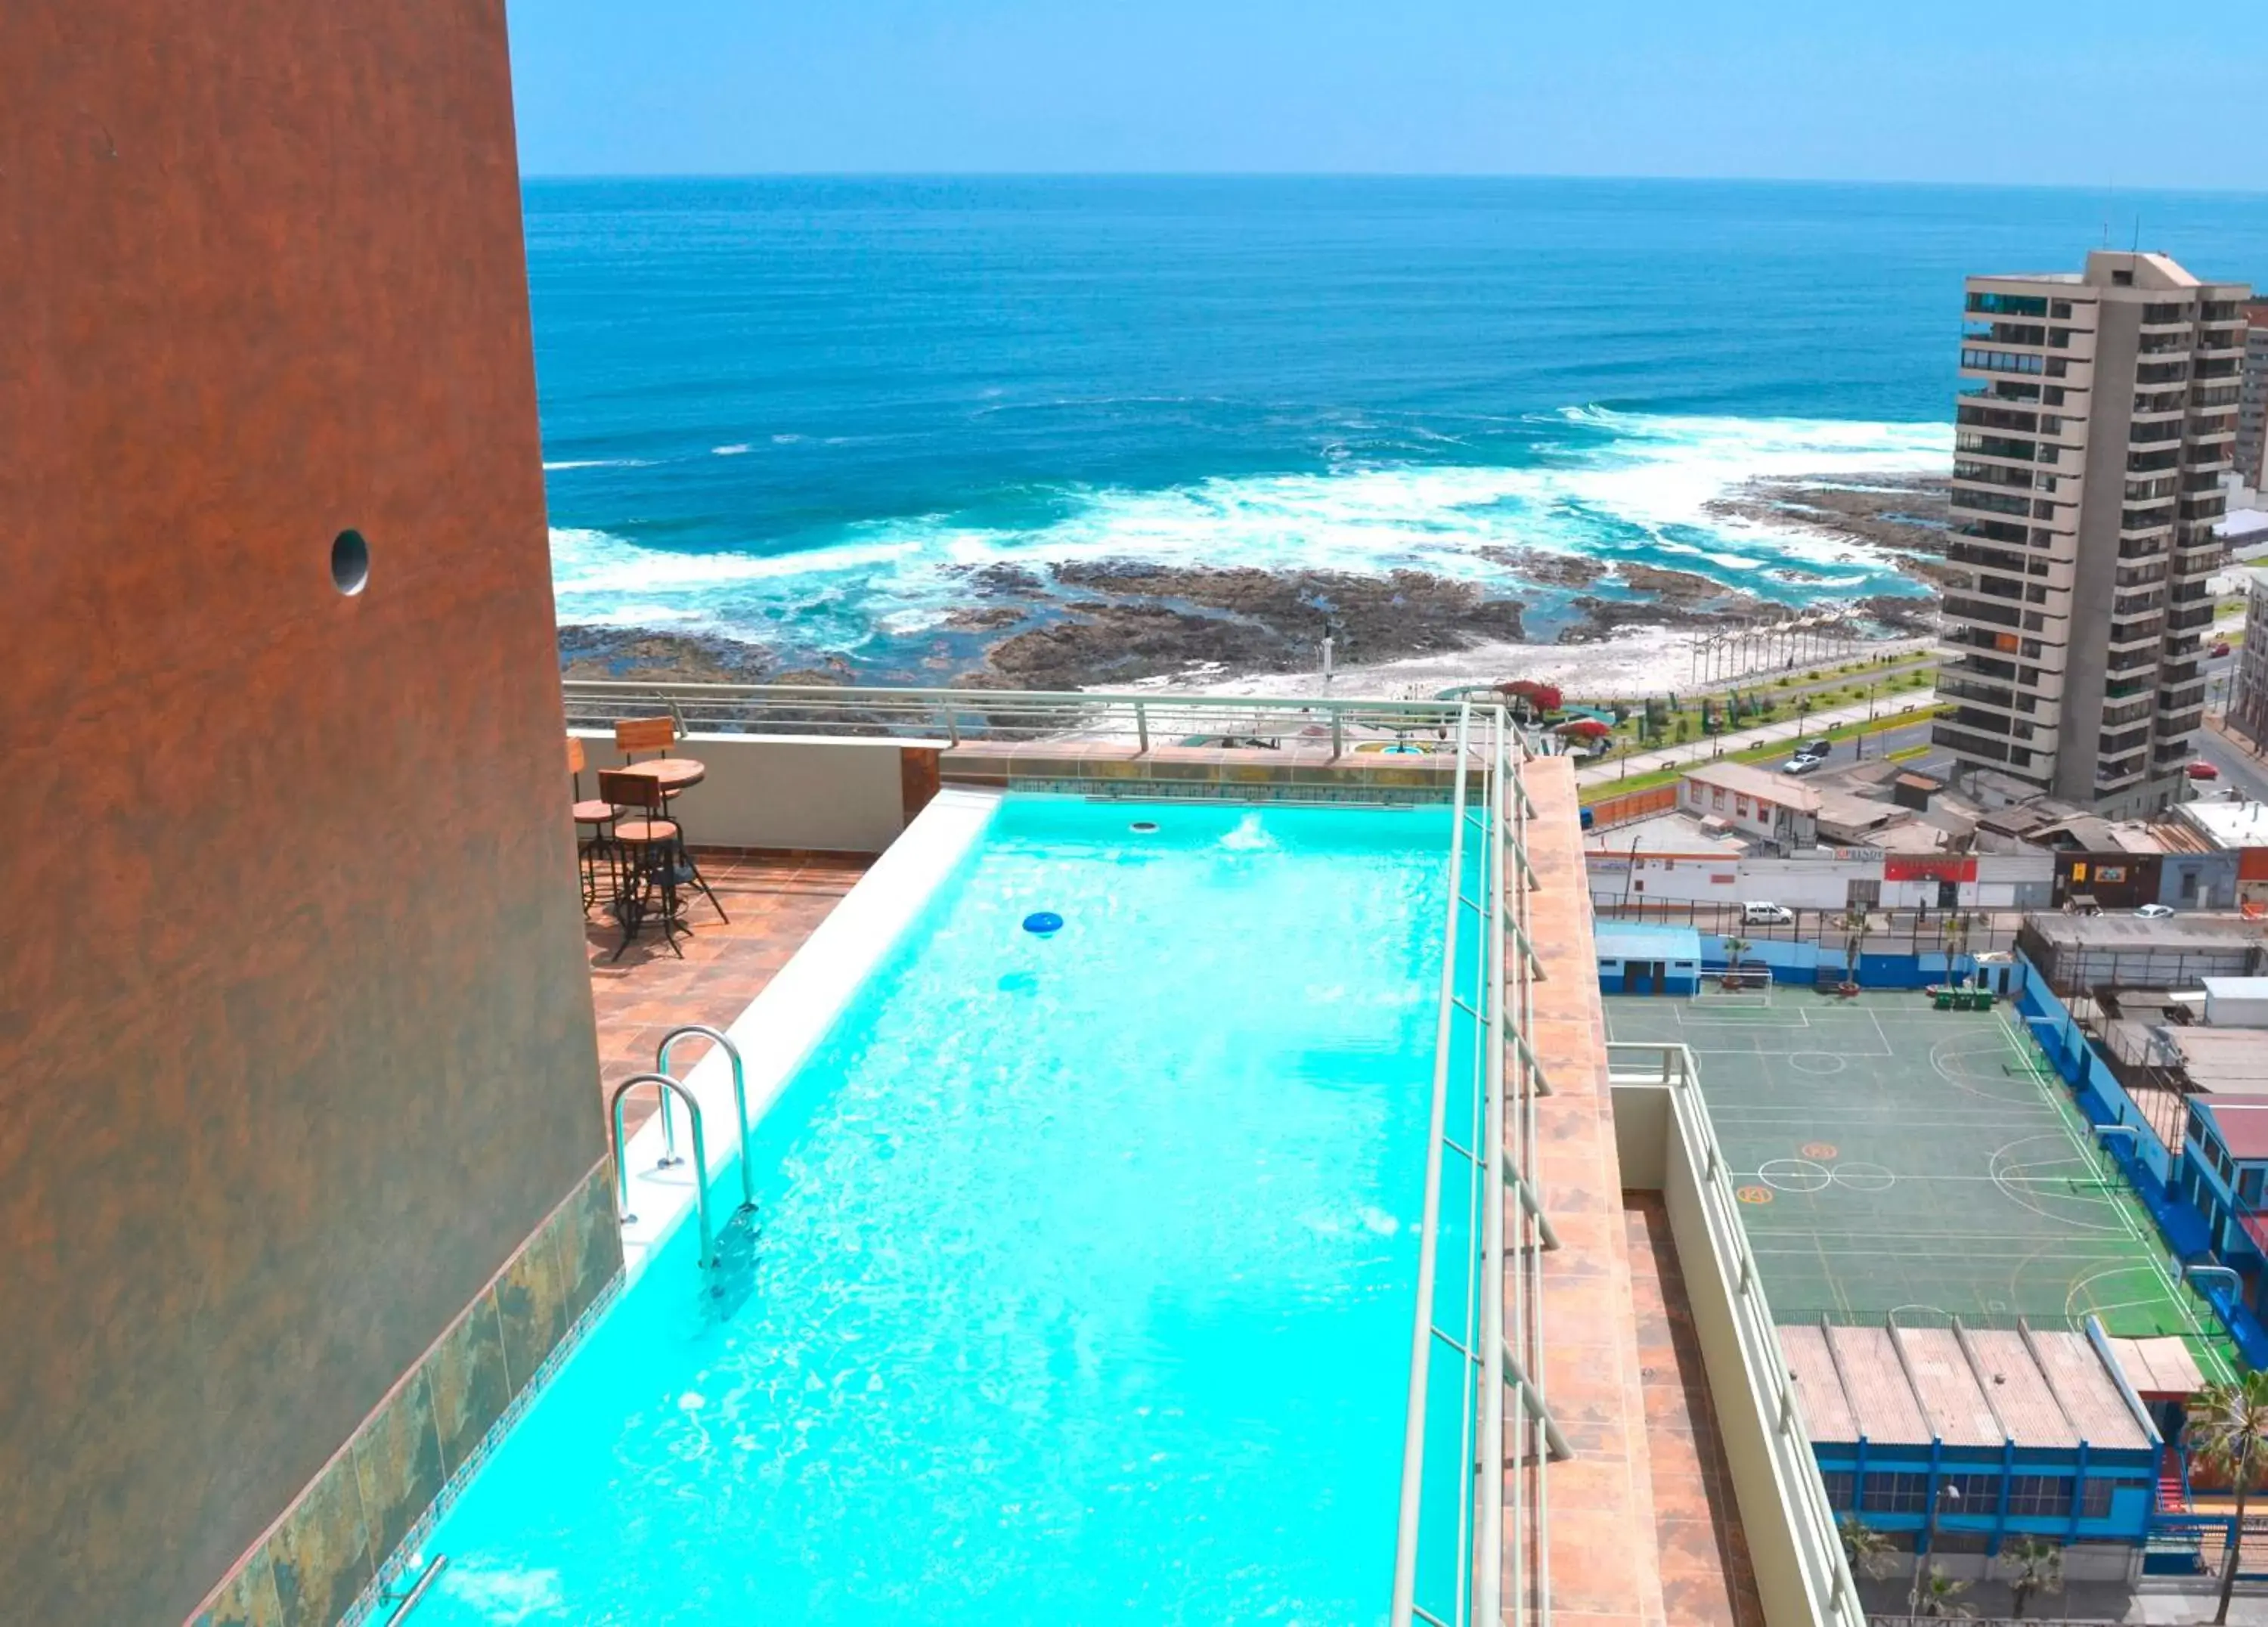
(2252, 407)
(2097, 414)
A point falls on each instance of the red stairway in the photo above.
(2173, 1496)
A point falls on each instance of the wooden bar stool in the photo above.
(657, 735)
(646, 876)
(596, 846)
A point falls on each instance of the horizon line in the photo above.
(1391, 175)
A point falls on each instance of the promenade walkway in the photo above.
(1784, 731)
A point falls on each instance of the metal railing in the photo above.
(1449, 1565)
(1417, 729)
(1818, 1543)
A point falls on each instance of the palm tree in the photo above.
(1856, 924)
(1939, 1590)
(2034, 1566)
(2228, 1434)
(1871, 1552)
(1956, 940)
(1734, 948)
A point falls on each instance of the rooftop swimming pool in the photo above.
(1084, 1271)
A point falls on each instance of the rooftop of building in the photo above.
(1629, 941)
(1785, 790)
(2195, 930)
(2039, 1388)
(2240, 1118)
(2227, 1063)
(2227, 821)
(1677, 835)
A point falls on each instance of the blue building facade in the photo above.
(1648, 960)
(1966, 1438)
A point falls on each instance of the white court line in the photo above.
(2063, 1114)
(1862, 1252)
(1903, 1178)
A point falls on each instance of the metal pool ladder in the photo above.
(697, 1030)
(668, 1086)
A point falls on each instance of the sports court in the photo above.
(1891, 1159)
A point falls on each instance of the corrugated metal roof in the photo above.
(2222, 1061)
(1957, 1408)
(1882, 1401)
(2019, 1389)
(2047, 1390)
(2158, 1368)
(1826, 1409)
(2089, 1395)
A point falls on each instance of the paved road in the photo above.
(2238, 768)
(1785, 732)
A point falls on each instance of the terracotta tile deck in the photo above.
(1602, 1501)
(776, 900)
(1707, 1577)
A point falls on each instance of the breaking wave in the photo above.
(1614, 487)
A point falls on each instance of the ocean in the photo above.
(803, 411)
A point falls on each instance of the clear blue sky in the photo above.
(2086, 93)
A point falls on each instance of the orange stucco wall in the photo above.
(295, 1032)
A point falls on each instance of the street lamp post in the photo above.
(1928, 1540)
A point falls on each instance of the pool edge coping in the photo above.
(778, 1029)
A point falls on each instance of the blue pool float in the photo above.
(1044, 923)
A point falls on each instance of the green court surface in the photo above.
(1894, 1159)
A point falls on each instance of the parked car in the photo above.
(2154, 912)
(2202, 769)
(1799, 765)
(1767, 915)
(2221, 646)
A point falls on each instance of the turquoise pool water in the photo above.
(1084, 1287)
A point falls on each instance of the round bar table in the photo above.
(674, 774)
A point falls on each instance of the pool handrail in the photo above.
(1499, 1357)
(948, 717)
(702, 1030)
(669, 1087)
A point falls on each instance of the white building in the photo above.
(1754, 803)
(2098, 412)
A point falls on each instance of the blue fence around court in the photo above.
(1799, 963)
(2145, 1160)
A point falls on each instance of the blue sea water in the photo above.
(802, 411)
(1086, 1275)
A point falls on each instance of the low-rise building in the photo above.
(2077, 952)
(2236, 828)
(1775, 808)
(2039, 1431)
(1648, 960)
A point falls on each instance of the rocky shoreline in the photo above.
(1115, 622)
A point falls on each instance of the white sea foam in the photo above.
(1605, 485)
(733, 450)
(599, 463)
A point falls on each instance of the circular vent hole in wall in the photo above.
(350, 562)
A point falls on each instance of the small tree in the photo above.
(1939, 1590)
(1956, 932)
(1871, 1552)
(2034, 1566)
(1734, 948)
(1856, 924)
(2228, 1434)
